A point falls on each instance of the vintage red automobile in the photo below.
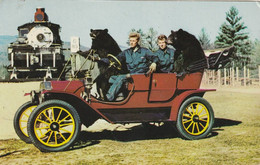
(160, 97)
(52, 120)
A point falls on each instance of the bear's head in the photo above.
(104, 42)
(176, 38)
(172, 38)
(98, 33)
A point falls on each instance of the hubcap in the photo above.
(195, 118)
(54, 126)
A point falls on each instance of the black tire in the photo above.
(195, 118)
(21, 119)
(54, 126)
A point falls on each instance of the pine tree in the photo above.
(256, 54)
(151, 40)
(232, 33)
(204, 39)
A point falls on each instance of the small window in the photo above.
(23, 32)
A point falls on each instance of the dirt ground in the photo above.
(235, 138)
(12, 97)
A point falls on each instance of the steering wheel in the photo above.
(113, 61)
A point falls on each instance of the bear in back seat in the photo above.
(188, 50)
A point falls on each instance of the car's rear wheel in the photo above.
(21, 118)
(54, 126)
(195, 118)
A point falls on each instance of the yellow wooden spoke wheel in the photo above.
(195, 118)
(54, 126)
(21, 118)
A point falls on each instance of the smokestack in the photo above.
(40, 15)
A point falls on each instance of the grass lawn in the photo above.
(235, 139)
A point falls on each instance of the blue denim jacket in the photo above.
(138, 61)
(166, 59)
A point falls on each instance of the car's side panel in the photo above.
(162, 87)
(141, 82)
(138, 99)
(190, 81)
(75, 87)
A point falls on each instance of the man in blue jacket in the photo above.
(138, 60)
(165, 55)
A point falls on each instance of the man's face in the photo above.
(133, 42)
(162, 43)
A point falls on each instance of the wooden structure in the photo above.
(232, 77)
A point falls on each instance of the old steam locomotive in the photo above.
(37, 52)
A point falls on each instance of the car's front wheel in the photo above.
(54, 126)
(195, 118)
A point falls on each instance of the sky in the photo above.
(77, 17)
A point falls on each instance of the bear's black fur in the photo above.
(103, 44)
(188, 50)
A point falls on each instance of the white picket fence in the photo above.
(232, 77)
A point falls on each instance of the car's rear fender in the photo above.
(184, 95)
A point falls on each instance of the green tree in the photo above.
(232, 33)
(204, 39)
(151, 40)
(3, 72)
(255, 59)
(256, 54)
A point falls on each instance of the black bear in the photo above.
(103, 44)
(188, 50)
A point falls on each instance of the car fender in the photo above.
(74, 100)
(180, 98)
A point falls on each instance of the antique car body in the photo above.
(157, 97)
(151, 98)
